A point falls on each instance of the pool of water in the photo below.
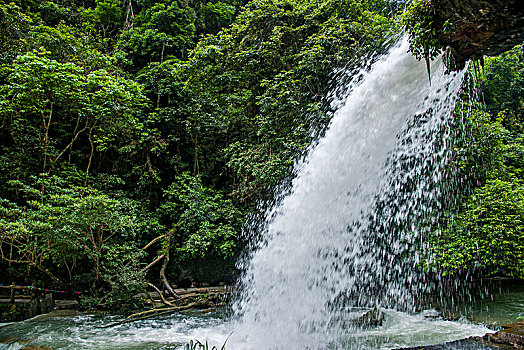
(173, 332)
(503, 303)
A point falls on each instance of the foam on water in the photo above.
(86, 332)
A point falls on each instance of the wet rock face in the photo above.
(464, 344)
(479, 27)
(372, 318)
(511, 335)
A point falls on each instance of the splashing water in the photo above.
(348, 233)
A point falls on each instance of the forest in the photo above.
(142, 140)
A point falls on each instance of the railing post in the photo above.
(12, 301)
(34, 293)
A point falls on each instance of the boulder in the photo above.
(372, 318)
(511, 335)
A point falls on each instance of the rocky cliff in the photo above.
(472, 28)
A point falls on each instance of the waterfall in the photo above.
(348, 233)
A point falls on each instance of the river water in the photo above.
(173, 332)
(501, 304)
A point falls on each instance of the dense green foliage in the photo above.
(486, 233)
(139, 131)
(418, 23)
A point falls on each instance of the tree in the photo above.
(488, 234)
(162, 29)
(13, 25)
(503, 86)
(77, 236)
(484, 233)
(260, 87)
(207, 225)
(52, 105)
(107, 16)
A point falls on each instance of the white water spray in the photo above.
(346, 235)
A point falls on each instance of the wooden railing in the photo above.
(15, 291)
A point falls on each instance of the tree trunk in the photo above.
(164, 266)
(90, 155)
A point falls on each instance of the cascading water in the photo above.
(348, 233)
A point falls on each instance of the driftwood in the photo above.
(153, 263)
(189, 299)
(142, 250)
(188, 293)
(160, 294)
(151, 298)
